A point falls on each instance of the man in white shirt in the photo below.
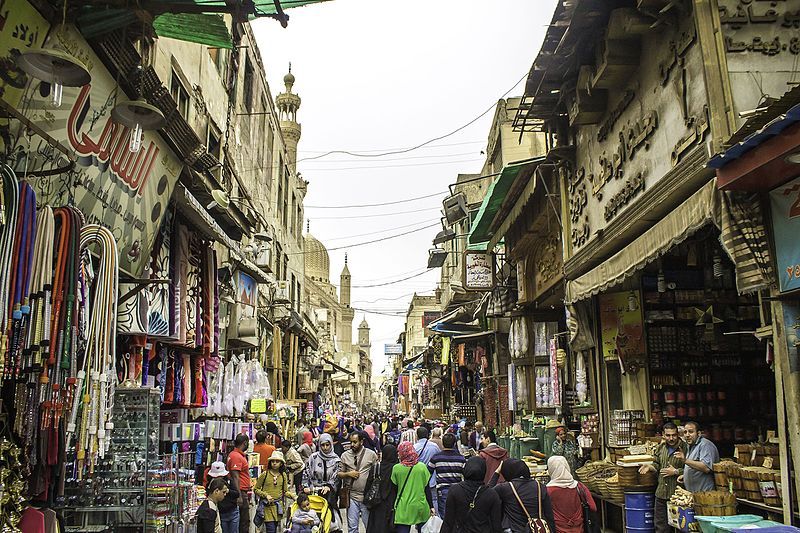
(356, 464)
(410, 434)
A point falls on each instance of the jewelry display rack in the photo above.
(115, 496)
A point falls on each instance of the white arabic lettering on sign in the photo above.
(478, 271)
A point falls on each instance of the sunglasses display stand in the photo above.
(115, 494)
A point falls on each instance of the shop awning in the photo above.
(338, 368)
(515, 210)
(474, 336)
(495, 196)
(194, 21)
(760, 161)
(205, 224)
(742, 232)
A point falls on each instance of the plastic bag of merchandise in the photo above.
(433, 525)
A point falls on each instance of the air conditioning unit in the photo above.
(282, 291)
(263, 257)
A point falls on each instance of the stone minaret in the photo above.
(348, 314)
(288, 103)
(363, 336)
(344, 286)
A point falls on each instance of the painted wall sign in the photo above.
(785, 203)
(762, 44)
(22, 29)
(653, 119)
(127, 192)
(429, 316)
(478, 271)
(622, 328)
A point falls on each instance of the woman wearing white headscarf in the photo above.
(566, 494)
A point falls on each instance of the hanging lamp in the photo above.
(139, 116)
(55, 67)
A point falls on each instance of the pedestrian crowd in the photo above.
(387, 475)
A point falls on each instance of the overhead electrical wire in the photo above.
(390, 282)
(384, 299)
(384, 149)
(368, 167)
(374, 205)
(378, 215)
(406, 158)
(417, 147)
(382, 231)
(354, 245)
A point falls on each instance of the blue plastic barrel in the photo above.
(639, 512)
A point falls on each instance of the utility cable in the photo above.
(379, 214)
(402, 148)
(405, 158)
(382, 231)
(390, 282)
(384, 299)
(374, 205)
(417, 147)
(368, 242)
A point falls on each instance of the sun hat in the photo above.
(217, 469)
(277, 455)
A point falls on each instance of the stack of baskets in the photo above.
(714, 503)
(721, 478)
(614, 489)
(587, 474)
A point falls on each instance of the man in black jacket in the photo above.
(208, 514)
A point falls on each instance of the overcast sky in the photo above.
(379, 75)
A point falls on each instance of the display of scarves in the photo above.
(555, 386)
(191, 313)
(161, 296)
(179, 281)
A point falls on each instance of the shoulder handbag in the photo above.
(590, 523)
(344, 491)
(372, 494)
(536, 525)
(397, 500)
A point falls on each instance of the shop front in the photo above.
(762, 160)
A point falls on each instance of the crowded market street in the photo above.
(361, 266)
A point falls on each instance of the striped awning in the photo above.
(737, 215)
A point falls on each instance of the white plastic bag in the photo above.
(433, 525)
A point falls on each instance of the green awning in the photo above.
(493, 201)
(195, 21)
(200, 28)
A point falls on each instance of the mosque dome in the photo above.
(318, 264)
(289, 78)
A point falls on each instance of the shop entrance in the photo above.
(705, 363)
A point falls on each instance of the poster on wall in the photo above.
(622, 328)
(22, 29)
(785, 203)
(478, 271)
(125, 191)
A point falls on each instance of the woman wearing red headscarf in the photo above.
(413, 504)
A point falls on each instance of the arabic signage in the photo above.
(653, 119)
(124, 191)
(429, 316)
(622, 329)
(478, 271)
(759, 36)
(785, 204)
(393, 349)
(22, 29)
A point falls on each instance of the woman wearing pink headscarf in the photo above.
(371, 442)
(413, 504)
(307, 447)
